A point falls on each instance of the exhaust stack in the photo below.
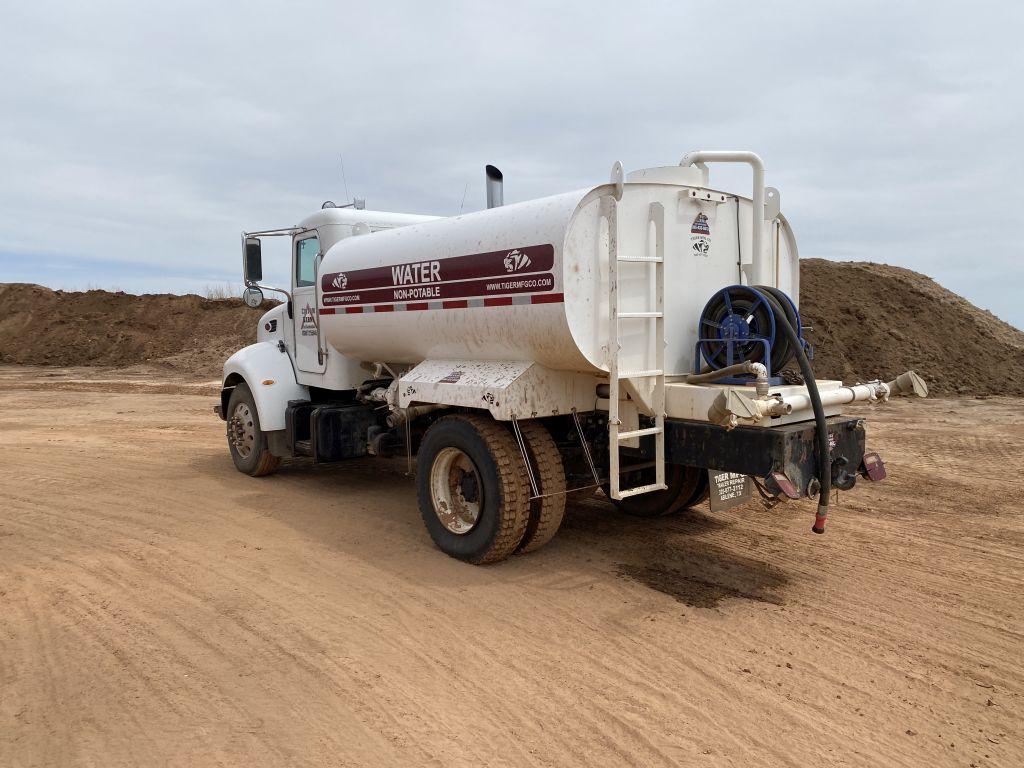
(495, 196)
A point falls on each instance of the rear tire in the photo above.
(473, 492)
(687, 487)
(246, 441)
(546, 513)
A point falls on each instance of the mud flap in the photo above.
(728, 490)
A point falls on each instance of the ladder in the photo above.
(654, 321)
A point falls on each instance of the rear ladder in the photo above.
(654, 322)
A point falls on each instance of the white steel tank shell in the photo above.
(529, 281)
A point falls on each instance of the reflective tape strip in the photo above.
(414, 306)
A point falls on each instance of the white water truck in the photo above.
(641, 336)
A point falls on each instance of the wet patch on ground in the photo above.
(708, 589)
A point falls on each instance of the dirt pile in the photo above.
(868, 320)
(190, 334)
(873, 320)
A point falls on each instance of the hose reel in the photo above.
(742, 320)
(739, 323)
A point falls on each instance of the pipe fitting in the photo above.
(399, 416)
(908, 383)
(761, 386)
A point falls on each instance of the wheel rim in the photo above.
(242, 430)
(456, 491)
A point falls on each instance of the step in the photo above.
(641, 259)
(640, 433)
(625, 493)
(649, 374)
(639, 314)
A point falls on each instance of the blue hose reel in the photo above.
(739, 324)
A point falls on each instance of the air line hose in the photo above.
(824, 457)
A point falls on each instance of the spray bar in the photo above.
(733, 407)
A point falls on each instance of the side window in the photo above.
(305, 261)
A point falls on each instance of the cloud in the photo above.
(138, 140)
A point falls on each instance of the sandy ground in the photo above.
(159, 608)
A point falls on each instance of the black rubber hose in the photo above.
(824, 454)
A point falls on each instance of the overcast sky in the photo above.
(138, 139)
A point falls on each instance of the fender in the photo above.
(509, 389)
(267, 369)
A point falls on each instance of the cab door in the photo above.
(305, 313)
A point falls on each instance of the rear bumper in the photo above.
(762, 452)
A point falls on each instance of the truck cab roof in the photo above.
(350, 216)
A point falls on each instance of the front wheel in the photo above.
(473, 492)
(246, 441)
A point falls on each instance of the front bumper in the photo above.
(773, 454)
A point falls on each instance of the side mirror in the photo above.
(252, 261)
(252, 296)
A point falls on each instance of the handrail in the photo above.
(700, 157)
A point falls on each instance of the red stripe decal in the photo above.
(548, 298)
(500, 301)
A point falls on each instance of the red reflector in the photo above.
(786, 485)
(874, 468)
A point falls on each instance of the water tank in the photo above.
(529, 281)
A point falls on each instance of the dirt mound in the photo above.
(873, 320)
(189, 334)
(868, 320)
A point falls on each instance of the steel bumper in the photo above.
(766, 452)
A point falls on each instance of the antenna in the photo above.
(464, 192)
(343, 179)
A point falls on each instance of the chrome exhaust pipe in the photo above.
(495, 180)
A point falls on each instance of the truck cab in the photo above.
(296, 321)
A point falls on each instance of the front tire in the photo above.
(473, 493)
(246, 441)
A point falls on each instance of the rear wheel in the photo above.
(546, 513)
(687, 487)
(246, 441)
(473, 493)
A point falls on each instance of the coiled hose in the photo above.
(824, 453)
